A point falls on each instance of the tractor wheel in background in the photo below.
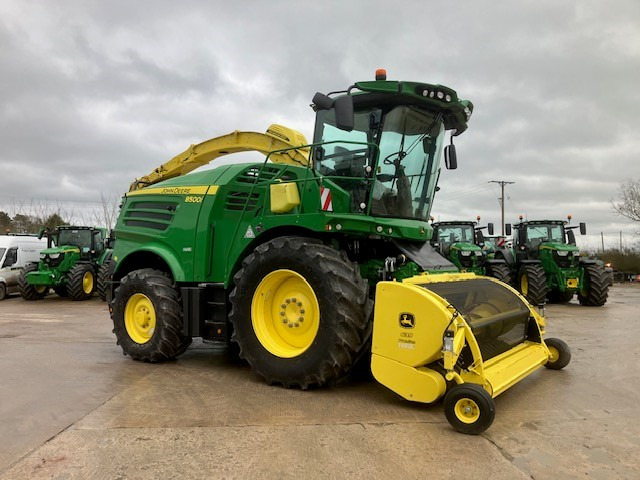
(560, 354)
(596, 286)
(61, 291)
(501, 272)
(469, 408)
(300, 312)
(147, 317)
(81, 281)
(28, 291)
(557, 296)
(103, 271)
(532, 283)
(3, 291)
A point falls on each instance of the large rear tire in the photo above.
(28, 291)
(81, 282)
(501, 272)
(147, 317)
(300, 312)
(532, 283)
(103, 272)
(3, 291)
(596, 288)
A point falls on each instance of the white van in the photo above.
(15, 252)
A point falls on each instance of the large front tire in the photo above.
(81, 282)
(596, 289)
(300, 312)
(147, 317)
(532, 283)
(28, 291)
(500, 272)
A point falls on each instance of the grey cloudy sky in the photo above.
(93, 94)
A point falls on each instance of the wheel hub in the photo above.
(140, 318)
(285, 313)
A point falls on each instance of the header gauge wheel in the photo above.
(469, 408)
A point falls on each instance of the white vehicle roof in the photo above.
(8, 241)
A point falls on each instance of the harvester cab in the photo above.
(69, 264)
(547, 264)
(462, 242)
(281, 258)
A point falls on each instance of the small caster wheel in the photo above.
(560, 355)
(469, 408)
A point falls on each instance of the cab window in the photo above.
(11, 258)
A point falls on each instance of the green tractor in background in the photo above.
(70, 264)
(546, 264)
(463, 244)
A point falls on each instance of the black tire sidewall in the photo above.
(325, 338)
(154, 349)
(564, 353)
(481, 397)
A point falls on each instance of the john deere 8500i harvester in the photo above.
(283, 258)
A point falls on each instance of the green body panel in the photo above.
(558, 276)
(52, 272)
(477, 260)
(219, 236)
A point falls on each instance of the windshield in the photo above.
(79, 238)
(545, 233)
(2, 250)
(455, 233)
(409, 164)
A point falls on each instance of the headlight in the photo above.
(563, 253)
(478, 253)
(43, 256)
(54, 255)
(465, 253)
(575, 254)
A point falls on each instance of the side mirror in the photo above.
(571, 238)
(41, 233)
(583, 228)
(318, 154)
(450, 157)
(479, 237)
(507, 229)
(522, 236)
(322, 101)
(344, 112)
(490, 228)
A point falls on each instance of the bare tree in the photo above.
(629, 200)
(105, 213)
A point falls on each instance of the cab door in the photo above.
(10, 268)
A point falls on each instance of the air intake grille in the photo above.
(238, 200)
(153, 215)
(254, 175)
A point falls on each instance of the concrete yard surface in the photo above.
(72, 406)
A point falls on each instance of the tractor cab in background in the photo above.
(462, 243)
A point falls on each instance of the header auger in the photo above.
(282, 258)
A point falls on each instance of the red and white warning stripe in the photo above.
(325, 199)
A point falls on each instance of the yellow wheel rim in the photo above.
(524, 284)
(285, 313)
(87, 282)
(466, 410)
(554, 354)
(40, 288)
(140, 318)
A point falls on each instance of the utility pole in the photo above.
(602, 238)
(502, 183)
